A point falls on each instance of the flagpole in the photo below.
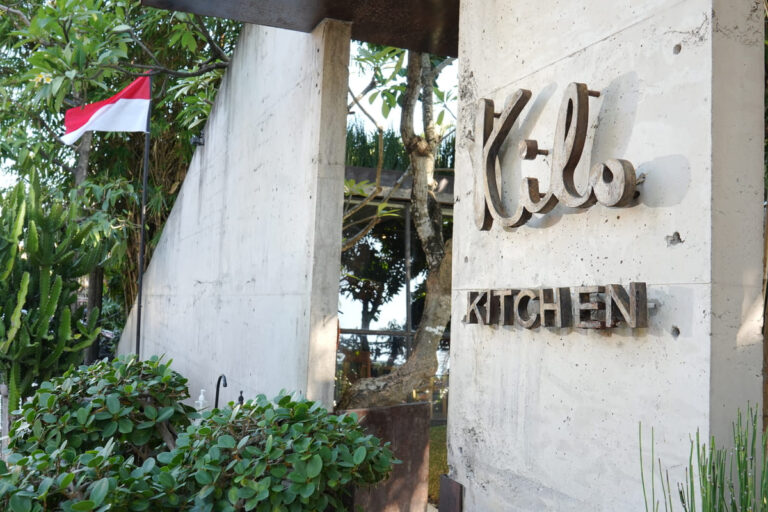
(142, 237)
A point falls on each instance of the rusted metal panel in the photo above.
(425, 25)
(451, 495)
(407, 428)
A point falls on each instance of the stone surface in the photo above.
(244, 280)
(547, 419)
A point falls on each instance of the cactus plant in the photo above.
(44, 249)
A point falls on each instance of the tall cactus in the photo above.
(44, 249)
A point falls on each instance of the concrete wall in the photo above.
(245, 278)
(547, 419)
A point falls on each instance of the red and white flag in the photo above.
(126, 111)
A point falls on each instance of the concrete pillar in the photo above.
(244, 280)
(546, 418)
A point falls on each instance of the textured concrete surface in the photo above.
(547, 419)
(245, 278)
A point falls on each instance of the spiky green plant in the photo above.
(718, 479)
(44, 249)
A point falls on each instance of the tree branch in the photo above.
(166, 432)
(54, 160)
(215, 47)
(159, 70)
(379, 164)
(361, 221)
(410, 97)
(368, 88)
(440, 67)
(426, 214)
(352, 241)
(20, 15)
(144, 47)
(427, 101)
(43, 123)
(356, 101)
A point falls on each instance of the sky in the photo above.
(6, 180)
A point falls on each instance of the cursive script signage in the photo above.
(585, 307)
(611, 183)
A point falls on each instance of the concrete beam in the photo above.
(430, 26)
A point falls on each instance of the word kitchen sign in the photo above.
(611, 183)
(584, 307)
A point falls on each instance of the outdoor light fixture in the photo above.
(221, 378)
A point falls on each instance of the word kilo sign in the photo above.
(611, 183)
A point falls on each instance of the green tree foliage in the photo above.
(58, 54)
(115, 436)
(44, 249)
(362, 149)
(373, 270)
(387, 67)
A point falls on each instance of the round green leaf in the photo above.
(85, 505)
(113, 404)
(109, 430)
(165, 414)
(359, 455)
(125, 425)
(20, 503)
(307, 490)
(314, 466)
(99, 491)
(166, 479)
(226, 441)
(203, 477)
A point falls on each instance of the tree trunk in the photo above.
(416, 373)
(95, 278)
(83, 154)
(366, 316)
(95, 292)
(421, 366)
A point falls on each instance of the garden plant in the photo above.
(45, 247)
(716, 479)
(117, 436)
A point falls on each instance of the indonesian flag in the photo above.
(126, 111)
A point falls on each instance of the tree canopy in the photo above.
(59, 54)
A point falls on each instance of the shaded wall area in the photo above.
(244, 280)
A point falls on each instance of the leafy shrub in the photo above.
(289, 455)
(115, 436)
(139, 404)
